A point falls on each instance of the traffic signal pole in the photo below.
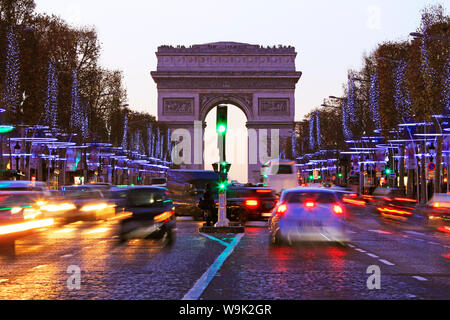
(221, 130)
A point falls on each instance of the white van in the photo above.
(280, 174)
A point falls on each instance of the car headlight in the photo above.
(31, 213)
(16, 210)
(58, 207)
(94, 207)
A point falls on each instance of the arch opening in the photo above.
(236, 142)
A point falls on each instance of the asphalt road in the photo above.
(413, 260)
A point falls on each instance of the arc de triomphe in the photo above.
(260, 81)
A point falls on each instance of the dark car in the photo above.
(79, 203)
(152, 213)
(186, 188)
(250, 203)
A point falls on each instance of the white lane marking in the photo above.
(351, 246)
(386, 262)
(39, 267)
(431, 242)
(380, 231)
(360, 250)
(351, 231)
(202, 283)
(414, 232)
(226, 244)
(372, 255)
(4, 280)
(417, 239)
(420, 278)
(67, 256)
(411, 296)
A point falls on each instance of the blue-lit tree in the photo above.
(318, 132)
(125, 132)
(345, 122)
(446, 88)
(51, 103)
(312, 142)
(12, 72)
(149, 140)
(402, 99)
(374, 100)
(76, 117)
(351, 109)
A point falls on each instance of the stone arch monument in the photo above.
(259, 80)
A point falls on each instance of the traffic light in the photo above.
(387, 171)
(340, 175)
(221, 123)
(222, 169)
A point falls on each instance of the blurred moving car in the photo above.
(152, 213)
(308, 214)
(79, 203)
(391, 203)
(187, 186)
(250, 203)
(437, 211)
(280, 174)
(20, 214)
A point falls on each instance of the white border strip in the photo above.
(202, 283)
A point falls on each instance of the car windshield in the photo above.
(17, 200)
(147, 198)
(315, 196)
(281, 169)
(83, 195)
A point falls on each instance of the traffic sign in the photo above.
(431, 166)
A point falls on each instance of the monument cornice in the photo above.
(226, 47)
(225, 74)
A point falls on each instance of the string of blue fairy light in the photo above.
(51, 104)
(12, 72)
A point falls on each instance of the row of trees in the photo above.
(50, 75)
(403, 81)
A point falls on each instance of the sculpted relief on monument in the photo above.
(178, 106)
(273, 106)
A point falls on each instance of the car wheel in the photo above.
(275, 238)
(169, 237)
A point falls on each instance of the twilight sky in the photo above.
(330, 36)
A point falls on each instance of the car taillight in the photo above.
(251, 203)
(281, 209)
(310, 204)
(263, 191)
(164, 216)
(337, 209)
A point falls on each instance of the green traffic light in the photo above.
(221, 128)
(340, 175)
(311, 177)
(223, 186)
(388, 171)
